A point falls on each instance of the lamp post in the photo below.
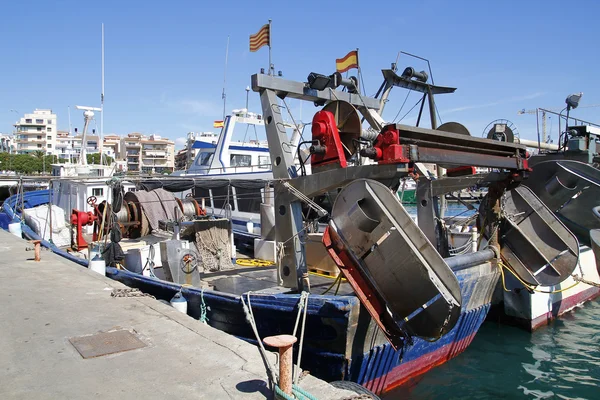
(247, 93)
(572, 102)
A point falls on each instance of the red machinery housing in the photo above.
(387, 148)
(327, 150)
(79, 219)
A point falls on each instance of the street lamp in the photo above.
(572, 102)
(247, 93)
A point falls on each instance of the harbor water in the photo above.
(559, 361)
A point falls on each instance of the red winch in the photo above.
(387, 148)
(326, 149)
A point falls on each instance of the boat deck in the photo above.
(64, 336)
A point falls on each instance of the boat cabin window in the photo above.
(98, 192)
(264, 162)
(205, 158)
(240, 160)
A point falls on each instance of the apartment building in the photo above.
(7, 143)
(185, 157)
(148, 154)
(36, 132)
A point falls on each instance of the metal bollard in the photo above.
(37, 248)
(285, 345)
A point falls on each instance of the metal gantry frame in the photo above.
(422, 145)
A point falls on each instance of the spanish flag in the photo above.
(260, 38)
(218, 124)
(348, 62)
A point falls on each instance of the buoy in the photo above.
(97, 264)
(15, 229)
(250, 226)
(179, 302)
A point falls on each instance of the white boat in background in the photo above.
(237, 172)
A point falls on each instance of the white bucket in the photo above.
(98, 265)
(15, 229)
(179, 302)
(250, 226)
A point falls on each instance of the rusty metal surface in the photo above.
(396, 261)
(105, 343)
(535, 244)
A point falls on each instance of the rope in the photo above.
(297, 394)
(250, 318)
(338, 280)
(301, 305)
(576, 278)
(320, 211)
(253, 262)
(531, 287)
(203, 316)
(129, 292)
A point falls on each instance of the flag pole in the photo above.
(224, 95)
(271, 68)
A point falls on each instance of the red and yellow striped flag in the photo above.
(260, 38)
(348, 62)
(218, 124)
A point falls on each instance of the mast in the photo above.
(271, 66)
(70, 133)
(224, 96)
(101, 140)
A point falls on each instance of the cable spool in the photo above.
(136, 214)
(190, 207)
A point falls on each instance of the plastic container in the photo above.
(97, 264)
(179, 302)
(15, 229)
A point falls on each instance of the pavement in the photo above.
(49, 305)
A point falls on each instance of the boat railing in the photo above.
(266, 167)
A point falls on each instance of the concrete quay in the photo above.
(52, 305)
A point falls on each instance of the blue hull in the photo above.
(341, 340)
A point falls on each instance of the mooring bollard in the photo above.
(284, 343)
(37, 247)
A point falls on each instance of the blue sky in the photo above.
(165, 60)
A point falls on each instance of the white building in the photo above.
(148, 154)
(36, 132)
(7, 143)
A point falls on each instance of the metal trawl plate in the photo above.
(105, 343)
(395, 261)
(535, 244)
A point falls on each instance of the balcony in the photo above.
(32, 141)
(155, 153)
(132, 144)
(133, 153)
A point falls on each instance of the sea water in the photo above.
(559, 361)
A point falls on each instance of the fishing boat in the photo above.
(402, 303)
(566, 179)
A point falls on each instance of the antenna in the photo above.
(224, 96)
(88, 115)
(70, 127)
(101, 144)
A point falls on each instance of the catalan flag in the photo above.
(218, 124)
(348, 62)
(260, 38)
